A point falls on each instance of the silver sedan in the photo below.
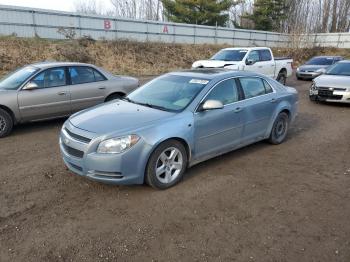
(334, 85)
(55, 89)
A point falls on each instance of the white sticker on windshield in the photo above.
(199, 81)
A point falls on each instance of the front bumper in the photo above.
(82, 159)
(307, 75)
(335, 96)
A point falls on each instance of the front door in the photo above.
(218, 130)
(50, 99)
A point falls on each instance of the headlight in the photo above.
(298, 69)
(313, 86)
(117, 145)
(321, 71)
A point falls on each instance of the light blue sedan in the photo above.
(174, 122)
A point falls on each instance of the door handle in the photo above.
(238, 109)
(62, 93)
(273, 100)
(260, 66)
(102, 87)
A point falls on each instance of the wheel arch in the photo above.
(10, 112)
(119, 93)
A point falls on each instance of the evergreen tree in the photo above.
(201, 12)
(268, 14)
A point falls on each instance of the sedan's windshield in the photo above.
(320, 61)
(230, 55)
(14, 80)
(170, 92)
(339, 69)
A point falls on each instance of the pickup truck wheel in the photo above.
(166, 165)
(282, 78)
(279, 129)
(6, 123)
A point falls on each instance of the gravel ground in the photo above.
(260, 203)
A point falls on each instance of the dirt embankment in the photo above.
(124, 57)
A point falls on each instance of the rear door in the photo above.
(260, 103)
(87, 87)
(220, 129)
(267, 64)
(50, 100)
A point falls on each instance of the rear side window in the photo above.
(84, 74)
(226, 92)
(265, 55)
(268, 88)
(52, 77)
(253, 87)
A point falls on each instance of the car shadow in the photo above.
(36, 127)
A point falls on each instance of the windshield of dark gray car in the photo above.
(230, 55)
(15, 79)
(169, 92)
(339, 69)
(320, 61)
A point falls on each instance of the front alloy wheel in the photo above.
(167, 165)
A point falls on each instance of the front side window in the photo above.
(265, 55)
(254, 56)
(253, 87)
(169, 92)
(81, 75)
(225, 91)
(51, 78)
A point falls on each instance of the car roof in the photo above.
(48, 64)
(213, 73)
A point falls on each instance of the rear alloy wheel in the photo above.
(279, 129)
(6, 123)
(282, 78)
(166, 165)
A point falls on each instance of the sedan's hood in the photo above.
(312, 68)
(333, 81)
(116, 116)
(212, 63)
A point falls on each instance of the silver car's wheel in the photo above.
(166, 164)
(2, 124)
(169, 165)
(6, 123)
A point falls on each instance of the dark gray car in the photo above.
(316, 66)
(55, 89)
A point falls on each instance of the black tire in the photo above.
(6, 123)
(299, 78)
(279, 129)
(282, 78)
(114, 97)
(154, 180)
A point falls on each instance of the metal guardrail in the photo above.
(28, 22)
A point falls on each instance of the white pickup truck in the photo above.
(256, 59)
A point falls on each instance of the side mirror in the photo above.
(249, 62)
(321, 71)
(211, 105)
(30, 86)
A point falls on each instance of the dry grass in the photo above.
(123, 57)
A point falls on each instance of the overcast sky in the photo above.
(63, 5)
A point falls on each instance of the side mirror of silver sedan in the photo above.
(211, 105)
(30, 86)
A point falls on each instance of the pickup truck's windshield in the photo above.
(320, 61)
(339, 69)
(230, 55)
(15, 79)
(169, 92)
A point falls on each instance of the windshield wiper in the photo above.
(153, 106)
